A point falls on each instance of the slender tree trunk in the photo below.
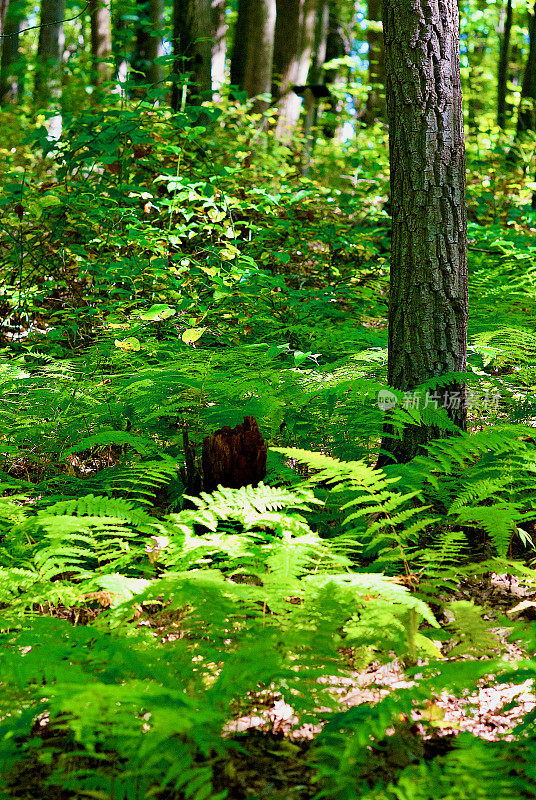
(49, 52)
(101, 40)
(526, 117)
(3, 13)
(149, 42)
(155, 48)
(428, 293)
(312, 97)
(293, 45)
(140, 57)
(474, 87)
(12, 67)
(259, 51)
(238, 57)
(376, 107)
(219, 44)
(337, 46)
(502, 73)
(192, 27)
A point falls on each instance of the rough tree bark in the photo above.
(101, 40)
(376, 107)
(293, 46)
(219, 44)
(238, 56)
(234, 457)
(259, 46)
(192, 28)
(49, 52)
(12, 68)
(502, 72)
(428, 287)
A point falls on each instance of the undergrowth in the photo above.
(160, 283)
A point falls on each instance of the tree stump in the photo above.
(234, 457)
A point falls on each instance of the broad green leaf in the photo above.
(128, 344)
(191, 335)
(157, 312)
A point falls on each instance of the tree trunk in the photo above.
(376, 108)
(156, 42)
(101, 40)
(238, 57)
(502, 73)
(12, 67)
(192, 27)
(49, 52)
(234, 457)
(337, 46)
(219, 45)
(259, 51)
(149, 42)
(475, 106)
(293, 45)
(3, 13)
(428, 287)
(312, 97)
(526, 116)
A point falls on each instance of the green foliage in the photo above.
(171, 274)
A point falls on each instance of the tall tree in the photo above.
(526, 118)
(149, 43)
(316, 88)
(337, 46)
(12, 67)
(3, 13)
(259, 46)
(192, 29)
(293, 44)
(219, 44)
(428, 285)
(101, 39)
(49, 51)
(239, 53)
(376, 108)
(502, 73)
(155, 48)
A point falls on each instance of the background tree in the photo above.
(155, 49)
(293, 44)
(239, 53)
(101, 40)
(316, 88)
(478, 46)
(192, 36)
(3, 12)
(49, 51)
(220, 27)
(337, 46)
(259, 47)
(526, 117)
(376, 108)
(12, 67)
(149, 44)
(502, 72)
(428, 283)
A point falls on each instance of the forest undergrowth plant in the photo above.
(256, 601)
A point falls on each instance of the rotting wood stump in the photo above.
(234, 457)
